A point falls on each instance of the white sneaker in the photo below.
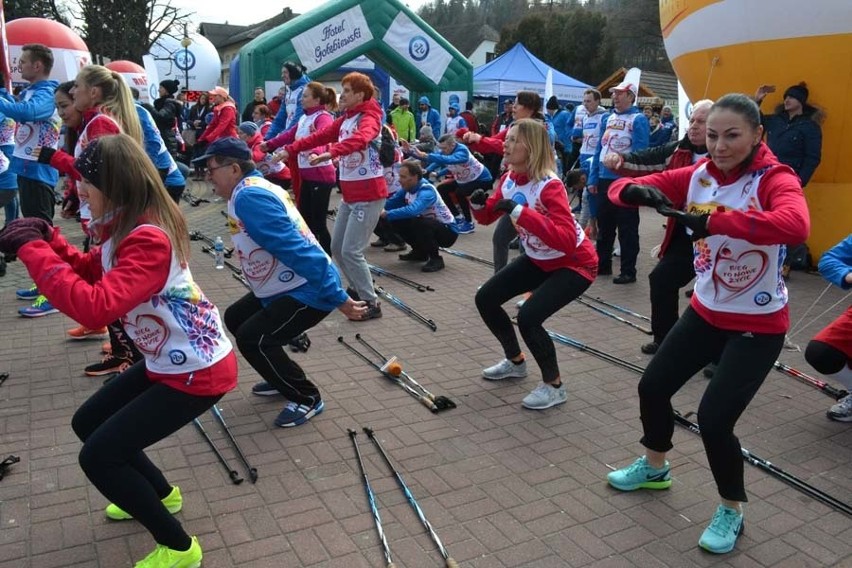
(505, 369)
(842, 411)
(616, 251)
(544, 396)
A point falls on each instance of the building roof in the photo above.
(472, 37)
(219, 34)
(654, 88)
(664, 84)
(223, 35)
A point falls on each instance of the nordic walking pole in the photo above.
(831, 391)
(371, 498)
(232, 473)
(406, 309)
(609, 314)
(412, 501)
(425, 401)
(441, 402)
(252, 471)
(199, 236)
(617, 308)
(776, 471)
(468, 256)
(378, 270)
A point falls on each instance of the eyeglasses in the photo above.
(211, 170)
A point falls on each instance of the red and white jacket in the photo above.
(223, 124)
(754, 211)
(314, 120)
(551, 236)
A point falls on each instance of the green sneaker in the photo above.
(721, 535)
(165, 557)
(640, 475)
(173, 502)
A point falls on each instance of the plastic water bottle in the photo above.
(219, 248)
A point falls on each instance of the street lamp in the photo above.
(185, 43)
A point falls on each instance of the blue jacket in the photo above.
(280, 123)
(433, 117)
(156, 149)
(836, 263)
(460, 155)
(34, 106)
(563, 125)
(796, 142)
(427, 196)
(267, 222)
(640, 138)
(8, 179)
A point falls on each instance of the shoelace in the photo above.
(723, 522)
(40, 301)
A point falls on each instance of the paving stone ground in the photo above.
(503, 486)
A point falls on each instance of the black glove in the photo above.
(648, 195)
(695, 223)
(559, 146)
(479, 197)
(45, 154)
(506, 205)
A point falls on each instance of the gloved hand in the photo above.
(13, 238)
(479, 197)
(648, 195)
(44, 228)
(506, 205)
(696, 223)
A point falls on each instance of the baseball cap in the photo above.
(221, 91)
(226, 148)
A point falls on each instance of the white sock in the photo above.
(844, 377)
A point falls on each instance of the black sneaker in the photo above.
(380, 243)
(604, 270)
(515, 244)
(108, 366)
(624, 279)
(353, 294)
(650, 348)
(433, 265)
(374, 311)
(414, 256)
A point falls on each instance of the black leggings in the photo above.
(462, 191)
(261, 334)
(625, 220)
(313, 205)
(122, 346)
(424, 235)
(551, 291)
(116, 424)
(744, 361)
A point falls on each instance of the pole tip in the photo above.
(452, 563)
(352, 433)
(357, 336)
(368, 431)
(340, 338)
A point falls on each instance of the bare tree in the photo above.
(14, 9)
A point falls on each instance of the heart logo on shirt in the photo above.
(734, 276)
(258, 266)
(149, 334)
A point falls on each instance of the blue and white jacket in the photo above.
(461, 163)
(620, 132)
(8, 180)
(836, 263)
(291, 108)
(35, 113)
(433, 117)
(422, 201)
(156, 149)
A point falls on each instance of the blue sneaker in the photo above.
(28, 294)
(295, 414)
(465, 227)
(41, 307)
(264, 389)
(640, 475)
(721, 535)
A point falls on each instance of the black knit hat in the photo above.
(798, 92)
(552, 103)
(170, 85)
(295, 70)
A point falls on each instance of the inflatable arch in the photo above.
(332, 35)
(724, 46)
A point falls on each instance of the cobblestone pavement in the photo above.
(503, 486)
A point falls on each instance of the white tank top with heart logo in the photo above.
(266, 275)
(178, 329)
(734, 275)
(361, 164)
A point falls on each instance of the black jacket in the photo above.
(796, 142)
(166, 114)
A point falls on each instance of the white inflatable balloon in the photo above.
(198, 65)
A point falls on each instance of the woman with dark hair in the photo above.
(262, 116)
(560, 262)
(167, 112)
(198, 120)
(295, 79)
(139, 274)
(741, 208)
(362, 181)
(315, 180)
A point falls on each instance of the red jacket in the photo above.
(470, 121)
(368, 130)
(784, 219)
(223, 125)
(95, 125)
(553, 223)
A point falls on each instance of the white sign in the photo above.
(449, 97)
(684, 110)
(67, 62)
(416, 46)
(153, 77)
(397, 88)
(342, 34)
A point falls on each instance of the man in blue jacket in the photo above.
(38, 125)
(417, 215)
(427, 115)
(294, 285)
(623, 129)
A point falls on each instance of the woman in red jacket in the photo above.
(560, 262)
(138, 274)
(362, 180)
(741, 207)
(224, 121)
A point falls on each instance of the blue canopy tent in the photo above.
(519, 70)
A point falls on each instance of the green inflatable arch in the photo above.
(386, 31)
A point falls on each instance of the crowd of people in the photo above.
(414, 180)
